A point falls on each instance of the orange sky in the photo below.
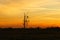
(40, 12)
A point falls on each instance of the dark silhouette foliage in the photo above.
(31, 33)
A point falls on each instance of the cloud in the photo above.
(8, 1)
(51, 4)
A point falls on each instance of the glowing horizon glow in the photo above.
(40, 12)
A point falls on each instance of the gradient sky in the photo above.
(40, 12)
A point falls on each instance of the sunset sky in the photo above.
(41, 12)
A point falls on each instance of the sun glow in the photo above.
(40, 12)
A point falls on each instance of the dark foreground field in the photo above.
(30, 34)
